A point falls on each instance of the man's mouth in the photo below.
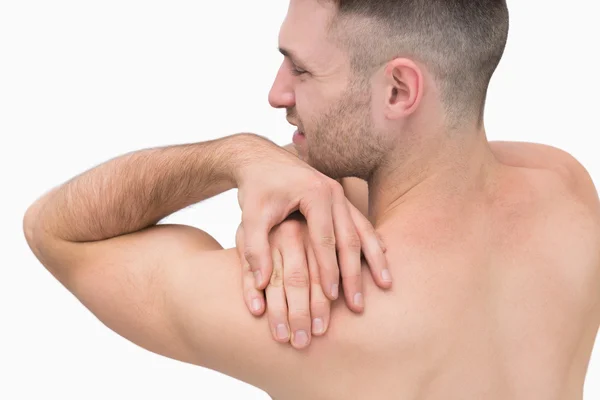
(299, 137)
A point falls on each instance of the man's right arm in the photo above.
(170, 289)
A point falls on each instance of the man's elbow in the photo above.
(33, 231)
(29, 224)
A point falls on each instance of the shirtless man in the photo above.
(493, 247)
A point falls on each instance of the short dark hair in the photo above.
(461, 42)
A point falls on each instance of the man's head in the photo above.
(362, 77)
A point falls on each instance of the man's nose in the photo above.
(282, 94)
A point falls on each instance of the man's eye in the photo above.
(296, 71)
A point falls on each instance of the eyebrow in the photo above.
(290, 54)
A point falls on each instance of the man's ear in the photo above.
(403, 88)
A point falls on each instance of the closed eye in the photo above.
(296, 71)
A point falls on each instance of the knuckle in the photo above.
(336, 189)
(251, 254)
(353, 242)
(351, 276)
(276, 277)
(328, 242)
(319, 304)
(314, 276)
(321, 189)
(296, 278)
(319, 184)
(299, 314)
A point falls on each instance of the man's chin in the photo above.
(302, 153)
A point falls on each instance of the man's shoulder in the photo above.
(571, 173)
(534, 155)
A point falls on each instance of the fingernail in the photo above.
(257, 278)
(282, 332)
(318, 326)
(334, 290)
(256, 305)
(300, 338)
(386, 276)
(358, 299)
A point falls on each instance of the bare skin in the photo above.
(494, 247)
(298, 302)
(498, 297)
(495, 301)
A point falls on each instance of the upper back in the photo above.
(497, 298)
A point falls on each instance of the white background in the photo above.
(85, 81)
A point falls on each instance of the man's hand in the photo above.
(295, 299)
(272, 184)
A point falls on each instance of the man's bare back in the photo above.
(495, 297)
(495, 290)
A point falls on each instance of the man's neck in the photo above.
(444, 169)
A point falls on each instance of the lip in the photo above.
(299, 137)
(294, 124)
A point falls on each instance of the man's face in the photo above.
(330, 106)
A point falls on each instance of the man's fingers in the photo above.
(297, 290)
(257, 250)
(373, 248)
(277, 310)
(349, 245)
(320, 305)
(317, 209)
(253, 298)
